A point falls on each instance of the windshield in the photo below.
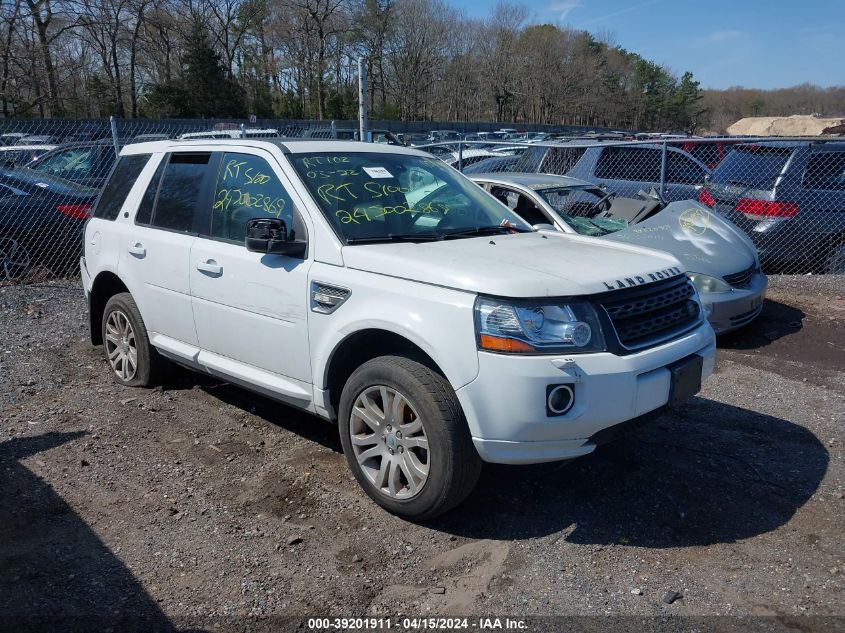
(578, 208)
(381, 196)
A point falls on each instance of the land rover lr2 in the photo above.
(376, 287)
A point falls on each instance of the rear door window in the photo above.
(756, 167)
(825, 170)
(119, 185)
(640, 164)
(180, 190)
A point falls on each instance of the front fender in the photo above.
(437, 320)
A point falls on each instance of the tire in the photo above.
(124, 332)
(425, 430)
(834, 263)
(15, 260)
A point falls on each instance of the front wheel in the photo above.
(405, 438)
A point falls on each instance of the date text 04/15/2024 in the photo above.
(416, 624)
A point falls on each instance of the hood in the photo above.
(521, 265)
(702, 240)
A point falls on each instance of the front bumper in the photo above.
(505, 405)
(737, 308)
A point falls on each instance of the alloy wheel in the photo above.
(14, 260)
(389, 442)
(120, 345)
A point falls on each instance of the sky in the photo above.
(752, 43)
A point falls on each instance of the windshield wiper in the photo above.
(493, 229)
(396, 237)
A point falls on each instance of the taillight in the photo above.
(767, 208)
(705, 197)
(75, 211)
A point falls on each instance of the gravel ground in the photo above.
(200, 501)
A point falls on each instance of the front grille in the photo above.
(743, 278)
(651, 314)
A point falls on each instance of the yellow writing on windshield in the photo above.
(316, 161)
(323, 174)
(340, 193)
(382, 191)
(375, 212)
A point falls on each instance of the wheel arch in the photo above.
(361, 346)
(105, 286)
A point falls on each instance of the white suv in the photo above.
(377, 287)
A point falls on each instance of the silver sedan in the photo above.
(721, 261)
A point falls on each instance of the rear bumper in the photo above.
(737, 308)
(505, 405)
(85, 277)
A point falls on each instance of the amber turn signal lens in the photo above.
(500, 344)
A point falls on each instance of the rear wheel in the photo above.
(132, 359)
(835, 260)
(405, 438)
(15, 260)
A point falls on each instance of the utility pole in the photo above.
(362, 100)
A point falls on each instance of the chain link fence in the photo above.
(786, 195)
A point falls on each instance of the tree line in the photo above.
(425, 60)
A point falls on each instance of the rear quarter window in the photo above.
(560, 160)
(119, 185)
(707, 153)
(530, 160)
(825, 170)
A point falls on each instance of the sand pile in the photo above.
(795, 125)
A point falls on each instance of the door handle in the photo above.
(210, 266)
(138, 249)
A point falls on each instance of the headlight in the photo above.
(537, 328)
(706, 283)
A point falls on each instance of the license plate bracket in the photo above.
(685, 378)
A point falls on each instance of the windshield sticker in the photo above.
(695, 220)
(378, 172)
(43, 185)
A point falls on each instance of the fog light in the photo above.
(559, 399)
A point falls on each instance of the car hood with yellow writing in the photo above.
(520, 265)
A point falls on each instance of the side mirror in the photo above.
(544, 227)
(270, 236)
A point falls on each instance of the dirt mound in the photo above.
(795, 125)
